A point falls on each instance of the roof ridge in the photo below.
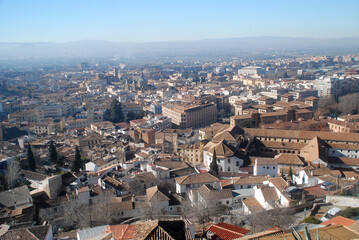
(228, 230)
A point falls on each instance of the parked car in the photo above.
(326, 185)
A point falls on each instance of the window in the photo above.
(249, 186)
(237, 164)
(274, 167)
(227, 202)
(229, 160)
(267, 167)
(264, 167)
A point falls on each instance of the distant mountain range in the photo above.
(210, 47)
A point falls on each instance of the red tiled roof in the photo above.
(339, 220)
(225, 183)
(275, 228)
(317, 191)
(227, 231)
(122, 231)
(121, 125)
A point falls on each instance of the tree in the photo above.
(349, 104)
(246, 124)
(116, 114)
(12, 173)
(60, 160)
(77, 163)
(214, 165)
(310, 219)
(202, 212)
(131, 116)
(104, 210)
(277, 217)
(72, 110)
(31, 159)
(77, 212)
(52, 152)
(350, 212)
(2, 182)
(290, 173)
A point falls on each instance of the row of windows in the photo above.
(268, 167)
(279, 151)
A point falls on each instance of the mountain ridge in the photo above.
(217, 46)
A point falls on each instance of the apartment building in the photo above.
(192, 153)
(53, 110)
(251, 70)
(48, 127)
(191, 115)
(342, 127)
(255, 119)
(30, 116)
(329, 85)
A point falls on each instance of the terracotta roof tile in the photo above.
(279, 183)
(122, 231)
(269, 194)
(205, 177)
(250, 180)
(350, 174)
(344, 137)
(339, 220)
(335, 232)
(266, 161)
(222, 149)
(289, 159)
(154, 194)
(253, 205)
(227, 231)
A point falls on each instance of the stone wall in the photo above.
(53, 186)
(343, 201)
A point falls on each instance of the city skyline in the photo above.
(162, 21)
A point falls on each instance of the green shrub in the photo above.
(310, 219)
(350, 212)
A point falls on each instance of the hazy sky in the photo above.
(174, 20)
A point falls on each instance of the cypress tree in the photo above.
(31, 159)
(53, 153)
(116, 113)
(77, 163)
(214, 165)
(290, 173)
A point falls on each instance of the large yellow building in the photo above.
(192, 153)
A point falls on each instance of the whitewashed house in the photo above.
(195, 181)
(227, 160)
(265, 167)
